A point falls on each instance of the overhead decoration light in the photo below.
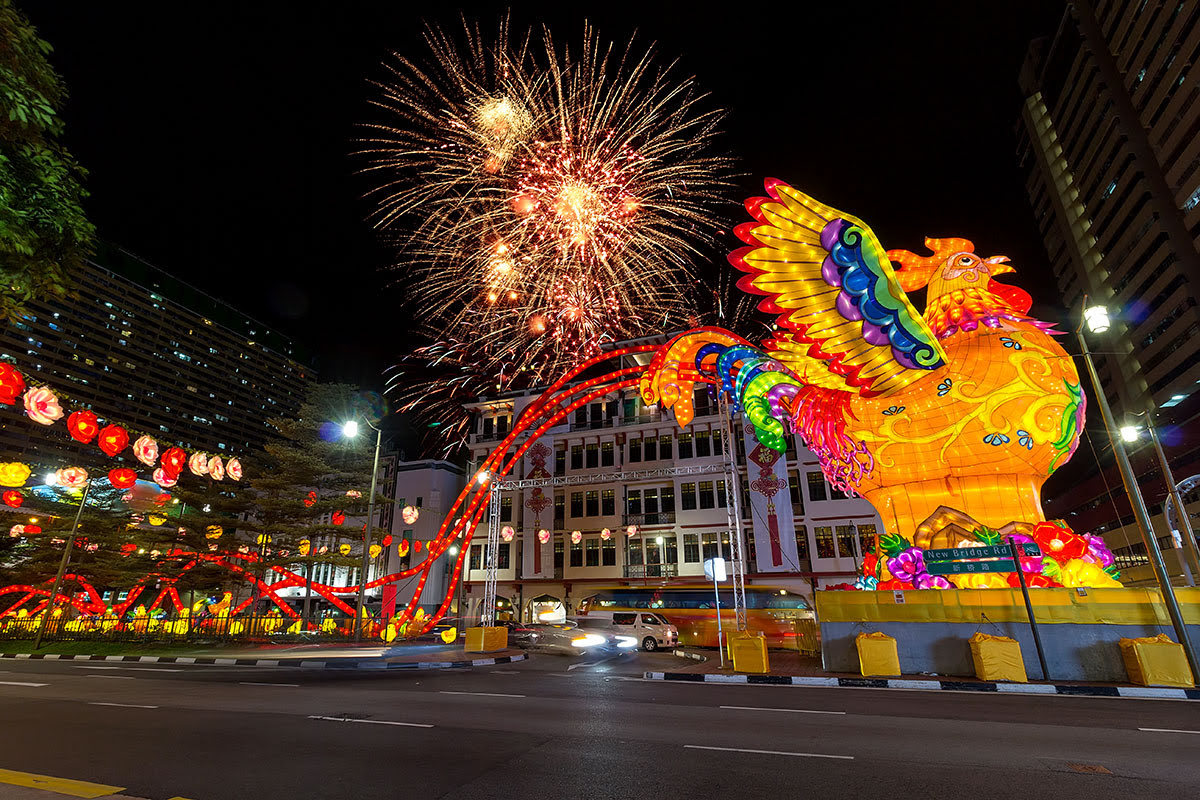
(216, 469)
(606, 534)
(344, 549)
(338, 517)
(71, 477)
(14, 473)
(310, 500)
(113, 439)
(507, 533)
(122, 478)
(83, 426)
(13, 498)
(12, 384)
(42, 406)
(234, 469)
(354, 494)
(145, 450)
(543, 535)
(173, 461)
(198, 463)
(576, 537)
(213, 532)
(163, 479)
(410, 514)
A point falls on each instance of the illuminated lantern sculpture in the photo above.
(213, 532)
(543, 535)
(606, 534)
(402, 548)
(449, 635)
(631, 530)
(262, 539)
(156, 519)
(416, 545)
(173, 461)
(163, 479)
(16, 530)
(145, 450)
(386, 540)
(337, 518)
(128, 549)
(13, 498)
(375, 551)
(113, 439)
(576, 537)
(409, 514)
(344, 549)
(507, 533)
(324, 549)
(11, 384)
(311, 499)
(71, 477)
(122, 478)
(31, 530)
(354, 494)
(304, 546)
(948, 421)
(234, 469)
(42, 406)
(13, 473)
(198, 463)
(216, 469)
(83, 426)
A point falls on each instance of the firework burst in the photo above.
(545, 201)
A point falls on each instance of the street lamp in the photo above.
(350, 430)
(1097, 321)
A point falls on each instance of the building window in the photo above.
(476, 555)
(606, 454)
(668, 499)
(802, 541)
(634, 501)
(593, 455)
(576, 456)
(687, 497)
(608, 553)
(866, 538)
(706, 494)
(650, 500)
(685, 445)
(593, 503)
(794, 490)
(633, 551)
(559, 510)
(576, 504)
(502, 555)
(558, 552)
(816, 486)
(824, 537)
(722, 498)
(577, 554)
(489, 425)
(608, 502)
(670, 550)
(845, 541)
(691, 548)
(635, 450)
(581, 416)
(712, 548)
(716, 443)
(560, 461)
(703, 445)
(650, 448)
(593, 553)
(664, 448)
(506, 509)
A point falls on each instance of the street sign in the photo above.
(960, 567)
(988, 551)
(714, 569)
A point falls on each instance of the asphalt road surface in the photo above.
(561, 727)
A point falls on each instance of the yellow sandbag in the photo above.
(877, 654)
(997, 658)
(1156, 661)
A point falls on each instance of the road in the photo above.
(559, 727)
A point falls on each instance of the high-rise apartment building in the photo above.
(146, 350)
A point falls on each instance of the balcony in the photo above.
(650, 570)
(592, 425)
(641, 419)
(659, 518)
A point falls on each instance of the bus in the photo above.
(692, 609)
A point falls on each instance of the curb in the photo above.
(304, 663)
(686, 654)
(956, 686)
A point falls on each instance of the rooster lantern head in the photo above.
(954, 266)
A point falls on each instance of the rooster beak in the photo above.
(997, 265)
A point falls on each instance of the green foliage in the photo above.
(44, 234)
(986, 536)
(893, 544)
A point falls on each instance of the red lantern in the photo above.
(11, 384)
(113, 439)
(32, 529)
(338, 518)
(416, 545)
(127, 549)
(311, 500)
(173, 461)
(387, 540)
(83, 426)
(123, 478)
(13, 498)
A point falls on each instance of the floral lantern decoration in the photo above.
(163, 479)
(16, 530)
(13, 498)
(338, 517)
(198, 464)
(71, 477)
(386, 541)
(576, 537)
(410, 514)
(304, 546)
(507, 533)
(311, 499)
(262, 539)
(113, 439)
(14, 473)
(631, 530)
(213, 532)
(157, 519)
(11, 384)
(375, 550)
(122, 478)
(416, 545)
(353, 494)
(83, 426)
(145, 450)
(543, 536)
(31, 530)
(402, 548)
(173, 461)
(42, 406)
(324, 549)
(606, 534)
(344, 549)
(216, 468)
(234, 469)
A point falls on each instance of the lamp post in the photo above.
(62, 568)
(350, 430)
(1097, 321)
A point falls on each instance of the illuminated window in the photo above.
(824, 536)
(687, 497)
(802, 541)
(816, 487)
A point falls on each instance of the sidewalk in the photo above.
(790, 668)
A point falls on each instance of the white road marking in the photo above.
(791, 710)
(375, 721)
(592, 664)
(504, 672)
(1165, 730)
(765, 752)
(259, 683)
(114, 677)
(121, 705)
(485, 694)
(92, 666)
(21, 683)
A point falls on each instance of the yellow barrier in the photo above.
(486, 640)
(1156, 661)
(877, 654)
(749, 653)
(997, 658)
(1051, 606)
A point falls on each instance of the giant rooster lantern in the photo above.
(948, 422)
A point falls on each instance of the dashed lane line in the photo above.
(374, 721)
(484, 694)
(1166, 730)
(21, 683)
(766, 752)
(789, 710)
(262, 683)
(119, 705)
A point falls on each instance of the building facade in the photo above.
(145, 350)
(639, 501)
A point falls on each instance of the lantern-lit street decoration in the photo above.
(507, 533)
(173, 461)
(338, 517)
(304, 546)
(198, 463)
(71, 477)
(83, 426)
(122, 478)
(234, 469)
(354, 494)
(145, 450)
(216, 468)
(213, 532)
(112, 440)
(631, 531)
(606, 534)
(344, 549)
(41, 405)
(13, 498)
(409, 514)
(14, 473)
(543, 536)
(576, 537)
(163, 479)
(12, 384)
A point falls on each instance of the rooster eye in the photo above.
(964, 260)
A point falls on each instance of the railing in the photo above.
(658, 518)
(651, 570)
(641, 419)
(191, 630)
(592, 425)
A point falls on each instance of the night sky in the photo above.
(218, 135)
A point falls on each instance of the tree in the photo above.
(44, 234)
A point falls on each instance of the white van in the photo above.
(650, 631)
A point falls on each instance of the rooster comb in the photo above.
(915, 271)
